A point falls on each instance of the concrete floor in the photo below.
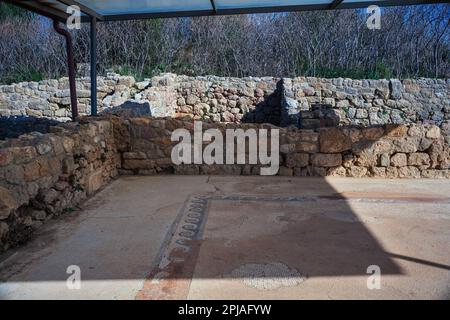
(200, 237)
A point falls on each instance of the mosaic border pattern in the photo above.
(192, 218)
(174, 266)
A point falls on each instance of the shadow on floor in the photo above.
(266, 230)
(313, 234)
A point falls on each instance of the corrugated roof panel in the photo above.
(114, 7)
(233, 4)
(136, 9)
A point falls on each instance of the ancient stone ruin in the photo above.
(304, 102)
(328, 127)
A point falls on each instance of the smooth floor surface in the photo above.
(224, 237)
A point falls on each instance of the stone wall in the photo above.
(255, 100)
(318, 102)
(215, 98)
(385, 151)
(304, 102)
(149, 146)
(51, 98)
(44, 175)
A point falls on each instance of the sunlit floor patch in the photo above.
(268, 276)
(56, 290)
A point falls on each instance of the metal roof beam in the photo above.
(213, 4)
(335, 4)
(42, 9)
(85, 9)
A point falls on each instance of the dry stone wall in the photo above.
(214, 98)
(318, 102)
(254, 100)
(305, 102)
(51, 98)
(44, 175)
(384, 151)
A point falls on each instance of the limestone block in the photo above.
(357, 172)
(385, 160)
(399, 160)
(379, 172)
(7, 203)
(309, 147)
(333, 140)
(284, 171)
(31, 171)
(396, 88)
(6, 156)
(408, 172)
(434, 132)
(406, 145)
(393, 130)
(94, 182)
(419, 159)
(326, 159)
(373, 133)
(135, 155)
(297, 160)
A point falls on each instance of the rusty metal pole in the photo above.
(93, 66)
(71, 68)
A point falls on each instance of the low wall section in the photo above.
(44, 175)
(385, 151)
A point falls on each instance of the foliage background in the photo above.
(414, 41)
